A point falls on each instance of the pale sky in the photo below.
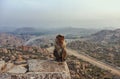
(60, 13)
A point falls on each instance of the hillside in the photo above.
(106, 53)
(106, 36)
(16, 39)
(10, 40)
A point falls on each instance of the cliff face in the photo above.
(42, 69)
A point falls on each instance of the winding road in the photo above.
(91, 60)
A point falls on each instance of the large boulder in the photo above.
(46, 66)
(44, 69)
(49, 68)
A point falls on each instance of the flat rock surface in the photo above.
(40, 75)
(17, 69)
(39, 69)
(46, 66)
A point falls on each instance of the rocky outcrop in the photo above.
(47, 66)
(39, 69)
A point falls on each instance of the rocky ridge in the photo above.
(105, 36)
(30, 62)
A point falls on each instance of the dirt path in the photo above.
(92, 61)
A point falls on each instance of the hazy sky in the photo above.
(60, 13)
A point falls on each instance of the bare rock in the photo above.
(26, 57)
(8, 66)
(46, 66)
(5, 50)
(18, 69)
(5, 76)
(20, 62)
(40, 69)
(12, 58)
(20, 58)
(49, 68)
(2, 64)
(39, 75)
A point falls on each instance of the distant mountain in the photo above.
(28, 31)
(70, 31)
(25, 30)
(67, 31)
(6, 29)
(106, 36)
(9, 39)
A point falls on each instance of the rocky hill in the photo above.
(9, 39)
(104, 52)
(106, 36)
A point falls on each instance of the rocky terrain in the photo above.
(44, 42)
(106, 53)
(106, 36)
(83, 70)
(37, 69)
(15, 60)
(10, 40)
(102, 45)
(19, 36)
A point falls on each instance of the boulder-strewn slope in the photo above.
(106, 36)
(9, 39)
